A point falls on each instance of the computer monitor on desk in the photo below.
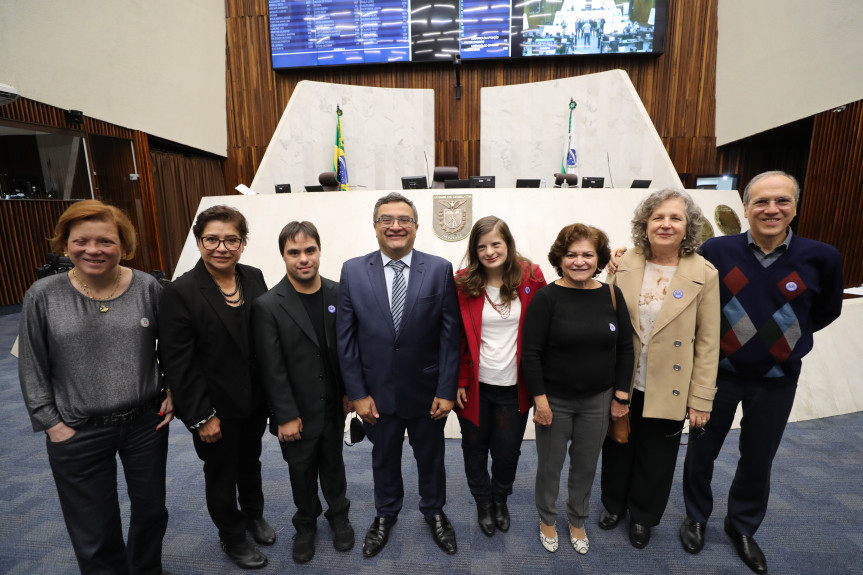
(456, 184)
(524, 183)
(414, 183)
(592, 182)
(482, 181)
(314, 188)
(640, 184)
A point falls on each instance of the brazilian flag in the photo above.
(340, 164)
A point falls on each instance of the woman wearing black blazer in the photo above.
(205, 344)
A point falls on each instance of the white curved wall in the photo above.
(782, 60)
(156, 66)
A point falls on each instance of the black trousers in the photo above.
(232, 468)
(85, 472)
(427, 440)
(637, 476)
(765, 413)
(313, 458)
(500, 433)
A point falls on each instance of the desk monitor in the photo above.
(283, 188)
(527, 183)
(592, 182)
(456, 184)
(414, 183)
(314, 188)
(481, 181)
(640, 184)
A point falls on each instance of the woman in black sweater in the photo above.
(577, 351)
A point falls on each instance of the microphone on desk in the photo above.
(608, 160)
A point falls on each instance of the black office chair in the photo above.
(442, 174)
(570, 179)
(329, 181)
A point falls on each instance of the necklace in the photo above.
(503, 309)
(238, 290)
(102, 308)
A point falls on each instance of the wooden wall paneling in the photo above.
(831, 209)
(25, 226)
(677, 87)
(180, 181)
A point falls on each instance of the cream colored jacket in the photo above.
(683, 351)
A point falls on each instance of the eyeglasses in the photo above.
(780, 203)
(212, 243)
(388, 221)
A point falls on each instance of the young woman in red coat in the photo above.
(494, 291)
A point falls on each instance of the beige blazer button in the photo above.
(677, 343)
(676, 367)
(675, 392)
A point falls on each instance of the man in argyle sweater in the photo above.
(776, 289)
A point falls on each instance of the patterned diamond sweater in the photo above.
(769, 314)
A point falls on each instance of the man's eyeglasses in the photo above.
(212, 243)
(387, 221)
(764, 203)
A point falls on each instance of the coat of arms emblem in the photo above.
(453, 214)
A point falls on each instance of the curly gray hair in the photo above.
(692, 235)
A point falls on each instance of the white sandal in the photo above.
(550, 543)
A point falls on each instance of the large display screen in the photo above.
(339, 32)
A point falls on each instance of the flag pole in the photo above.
(569, 162)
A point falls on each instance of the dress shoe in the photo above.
(550, 543)
(639, 535)
(581, 546)
(343, 534)
(304, 546)
(747, 548)
(485, 517)
(245, 555)
(608, 520)
(377, 536)
(692, 536)
(442, 532)
(261, 531)
(501, 515)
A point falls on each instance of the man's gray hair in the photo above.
(794, 183)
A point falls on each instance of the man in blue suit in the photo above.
(398, 339)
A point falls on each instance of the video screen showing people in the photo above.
(568, 27)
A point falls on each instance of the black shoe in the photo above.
(304, 546)
(261, 531)
(485, 517)
(692, 536)
(377, 536)
(639, 535)
(442, 532)
(608, 520)
(501, 515)
(245, 555)
(343, 534)
(747, 548)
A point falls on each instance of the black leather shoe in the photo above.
(485, 517)
(304, 546)
(608, 520)
(692, 536)
(261, 531)
(442, 532)
(245, 555)
(639, 535)
(343, 534)
(501, 515)
(747, 548)
(377, 536)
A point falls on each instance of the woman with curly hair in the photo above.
(494, 291)
(672, 294)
